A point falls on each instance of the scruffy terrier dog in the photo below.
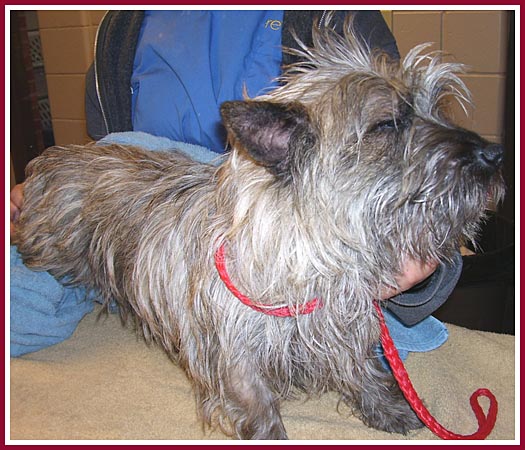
(333, 181)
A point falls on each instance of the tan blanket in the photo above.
(106, 383)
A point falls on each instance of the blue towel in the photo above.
(425, 336)
(158, 143)
(44, 312)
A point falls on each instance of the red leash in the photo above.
(485, 422)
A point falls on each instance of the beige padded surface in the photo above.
(105, 383)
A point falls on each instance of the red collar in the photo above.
(271, 310)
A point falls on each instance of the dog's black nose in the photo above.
(490, 156)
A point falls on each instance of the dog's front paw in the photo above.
(390, 412)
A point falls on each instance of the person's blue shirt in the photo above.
(189, 62)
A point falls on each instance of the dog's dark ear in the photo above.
(267, 130)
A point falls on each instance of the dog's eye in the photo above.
(386, 125)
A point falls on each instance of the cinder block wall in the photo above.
(475, 38)
(68, 47)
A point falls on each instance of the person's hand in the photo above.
(17, 200)
(414, 272)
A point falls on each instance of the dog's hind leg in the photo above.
(52, 233)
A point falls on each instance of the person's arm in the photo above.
(96, 127)
(108, 80)
(414, 273)
(370, 25)
(415, 304)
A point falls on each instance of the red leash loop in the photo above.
(485, 422)
(271, 310)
